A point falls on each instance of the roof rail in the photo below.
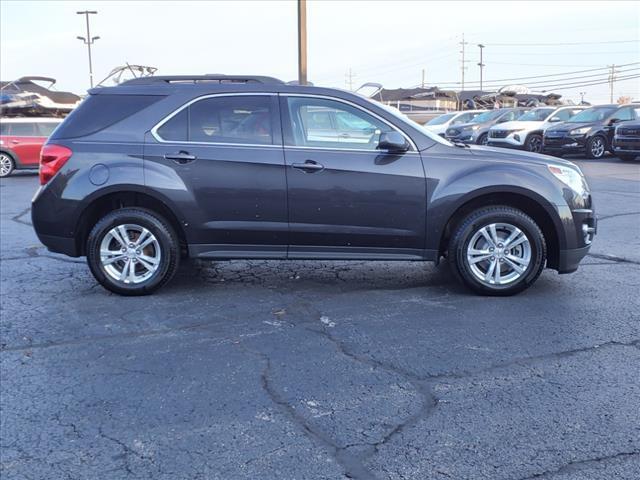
(154, 80)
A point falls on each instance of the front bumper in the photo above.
(570, 259)
(574, 143)
(626, 145)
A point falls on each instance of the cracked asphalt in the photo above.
(322, 370)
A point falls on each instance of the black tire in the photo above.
(465, 231)
(483, 139)
(7, 164)
(533, 143)
(596, 147)
(626, 157)
(167, 242)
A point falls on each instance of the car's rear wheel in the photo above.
(133, 251)
(534, 143)
(497, 250)
(596, 147)
(7, 165)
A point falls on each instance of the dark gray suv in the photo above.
(477, 130)
(157, 169)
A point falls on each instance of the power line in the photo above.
(553, 44)
(543, 76)
(629, 77)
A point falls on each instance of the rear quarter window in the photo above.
(98, 112)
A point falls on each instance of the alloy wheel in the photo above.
(130, 254)
(498, 254)
(535, 144)
(597, 147)
(6, 165)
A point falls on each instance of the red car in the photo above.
(21, 140)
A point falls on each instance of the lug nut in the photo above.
(131, 245)
(137, 252)
(493, 258)
(499, 245)
(124, 250)
(491, 249)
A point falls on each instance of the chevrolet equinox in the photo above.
(156, 169)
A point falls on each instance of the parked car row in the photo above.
(591, 131)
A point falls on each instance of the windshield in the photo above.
(441, 119)
(537, 115)
(403, 118)
(592, 115)
(486, 116)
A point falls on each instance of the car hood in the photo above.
(517, 156)
(565, 127)
(515, 125)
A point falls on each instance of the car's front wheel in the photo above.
(483, 139)
(133, 251)
(596, 147)
(7, 165)
(534, 143)
(497, 250)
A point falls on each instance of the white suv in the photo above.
(526, 132)
(439, 124)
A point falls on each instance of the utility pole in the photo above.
(348, 77)
(481, 65)
(462, 68)
(612, 78)
(302, 42)
(89, 40)
(582, 94)
(423, 78)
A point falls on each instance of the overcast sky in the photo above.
(386, 42)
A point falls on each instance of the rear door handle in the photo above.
(180, 157)
(308, 166)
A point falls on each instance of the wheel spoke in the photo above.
(497, 277)
(514, 235)
(144, 235)
(115, 233)
(124, 235)
(487, 237)
(494, 234)
(479, 258)
(489, 275)
(510, 260)
(150, 263)
(112, 256)
(125, 270)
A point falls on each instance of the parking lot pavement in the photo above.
(326, 370)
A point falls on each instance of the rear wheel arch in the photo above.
(115, 200)
(551, 228)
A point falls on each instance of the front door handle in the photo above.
(308, 166)
(181, 157)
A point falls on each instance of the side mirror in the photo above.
(614, 120)
(554, 119)
(393, 142)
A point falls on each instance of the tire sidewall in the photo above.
(524, 223)
(483, 139)
(166, 239)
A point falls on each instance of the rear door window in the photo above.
(232, 119)
(46, 129)
(24, 129)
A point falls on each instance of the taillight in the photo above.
(52, 158)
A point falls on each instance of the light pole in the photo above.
(481, 65)
(88, 41)
(302, 42)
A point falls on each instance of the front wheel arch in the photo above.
(529, 206)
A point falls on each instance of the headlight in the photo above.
(475, 127)
(571, 177)
(579, 131)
